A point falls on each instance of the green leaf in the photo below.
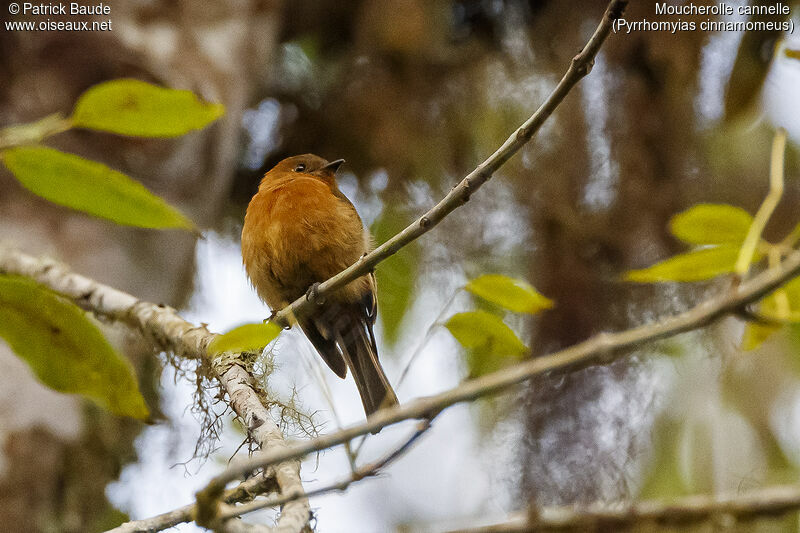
(485, 331)
(512, 294)
(491, 344)
(139, 109)
(245, 338)
(396, 276)
(755, 335)
(793, 293)
(65, 349)
(91, 187)
(711, 224)
(784, 303)
(697, 265)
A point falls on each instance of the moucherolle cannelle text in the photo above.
(722, 16)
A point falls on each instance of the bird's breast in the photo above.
(297, 234)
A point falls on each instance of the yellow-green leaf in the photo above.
(793, 293)
(512, 294)
(245, 338)
(490, 343)
(139, 109)
(485, 333)
(91, 187)
(64, 348)
(711, 224)
(755, 334)
(697, 265)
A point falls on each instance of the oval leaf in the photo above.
(711, 224)
(485, 331)
(755, 335)
(697, 265)
(65, 350)
(91, 187)
(491, 344)
(139, 109)
(512, 294)
(245, 338)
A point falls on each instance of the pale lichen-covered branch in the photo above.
(170, 332)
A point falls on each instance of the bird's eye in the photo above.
(300, 168)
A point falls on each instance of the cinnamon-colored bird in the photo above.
(300, 230)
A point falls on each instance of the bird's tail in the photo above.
(357, 342)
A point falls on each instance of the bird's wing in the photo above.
(325, 343)
(371, 299)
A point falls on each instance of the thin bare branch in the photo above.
(729, 508)
(367, 470)
(579, 67)
(246, 490)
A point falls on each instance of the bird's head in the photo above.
(306, 165)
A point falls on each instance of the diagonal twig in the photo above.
(579, 67)
(364, 471)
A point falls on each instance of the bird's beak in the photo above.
(333, 166)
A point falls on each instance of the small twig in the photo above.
(681, 512)
(767, 207)
(246, 490)
(33, 132)
(368, 470)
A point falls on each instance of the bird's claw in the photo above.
(312, 294)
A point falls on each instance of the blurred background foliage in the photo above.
(414, 94)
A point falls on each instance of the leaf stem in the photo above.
(34, 132)
(767, 207)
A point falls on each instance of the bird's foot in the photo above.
(312, 294)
